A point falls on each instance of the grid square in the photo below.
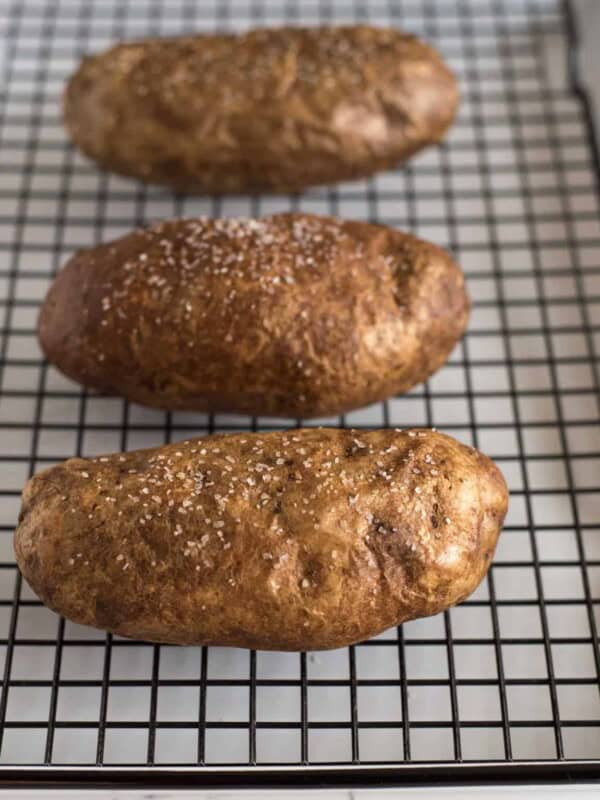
(475, 661)
(9, 509)
(82, 663)
(179, 663)
(564, 315)
(583, 439)
(78, 703)
(514, 545)
(491, 379)
(329, 745)
(377, 662)
(577, 702)
(5, 620)
(277, 703)
(517, 514)
(450, 411)
(274, 665)
(83, 633)
(178, 704)
(282, 745)
(498, 442)
(582, 742)
(103, 410)
(515, 583)
(379, 745)
(16, 442)
(57, 444)
(528, 346)
(21, 378)
(574, 661)
(429, 704)
(27, 592)
(23, 746)
(552, 509)
(125, 746)
(32, 662)
(228, 663)
(137, 440)
(227, 703)
(28, 703)
(547, 474)
(528, 702)
(16, 409)
(450, 378)
(532, 377)
(7, 583)
(176, 746)
(524, 661)
(478, 703)
(520, 622)
(131, 662)
(471, 622)
(562, 583)
(329, 664)
(14, 475)
(98, 442)
(568, 621)
(425, 628)
(56, 381)
(432, 744)
(533, 743)
(575, 376)
(407, 411)
(426, 662)
(481, 744)
(226, 746)
(74, 746)
(371, 415)
(585, 471)
(328, 703)
(379, 703)
(588, 507)
(128, 703)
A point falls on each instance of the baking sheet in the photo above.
(510, 675)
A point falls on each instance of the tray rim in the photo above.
(303, 777)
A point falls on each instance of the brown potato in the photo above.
(277, 109)
(291, 315)
(297, 540)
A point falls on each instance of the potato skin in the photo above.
(292, 315)
(297, 540)
(271, 109)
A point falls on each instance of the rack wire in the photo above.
(504, 686)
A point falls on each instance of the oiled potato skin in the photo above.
(296, 540)
(292, 315)
(275, 109)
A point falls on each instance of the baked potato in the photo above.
(291, 315)
(275, 109)
(298, 540)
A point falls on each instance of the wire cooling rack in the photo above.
(504, 686)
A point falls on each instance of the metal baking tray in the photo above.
(505, 687)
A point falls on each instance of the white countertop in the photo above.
(579, 792)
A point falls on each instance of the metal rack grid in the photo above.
(488, 690)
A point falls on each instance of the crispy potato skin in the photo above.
(271, 109)
(298, 540)
(292, 315)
